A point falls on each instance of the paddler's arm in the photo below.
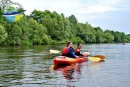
(72, 53)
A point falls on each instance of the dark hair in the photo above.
(68, 43)
(78, 44)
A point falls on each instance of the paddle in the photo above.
(54, 51)
(102, 57)
(94, 59)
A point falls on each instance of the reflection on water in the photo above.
(31, 66)
(71, 71)
(95, 65)
(22, 65)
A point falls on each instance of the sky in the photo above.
(106, 14)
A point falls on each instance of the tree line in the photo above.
(46, 27)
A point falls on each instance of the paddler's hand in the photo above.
(77, 56)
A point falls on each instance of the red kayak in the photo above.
(63, 60)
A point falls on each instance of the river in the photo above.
(32, 66)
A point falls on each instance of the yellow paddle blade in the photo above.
(54, 51)
(100, 56)
(94, 59)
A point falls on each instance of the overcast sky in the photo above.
(107, 14)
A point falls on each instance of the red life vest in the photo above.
(77, 51)
(65, 50)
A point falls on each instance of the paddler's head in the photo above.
(69, 44)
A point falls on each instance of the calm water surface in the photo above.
(32, 66)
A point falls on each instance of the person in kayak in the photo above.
(69, 51)
(79, 52)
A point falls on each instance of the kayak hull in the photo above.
(62, 60)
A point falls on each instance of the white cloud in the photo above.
(93, 9)
(70, 6)
(85, 10)
(61, 6)
(101, 6)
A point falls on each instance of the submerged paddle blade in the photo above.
(54, 51)
(94, 59)
(102, 57)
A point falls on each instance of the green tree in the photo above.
(27, 32)
(100, 36)
(62, 15)
(1, 12)
(127, 39)
(117, 37)
(4, 3)
(72, 19)
(86, 32)
(3, 34)
(45, 27)
(109, 37)
(39, 33)
(14, 35)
